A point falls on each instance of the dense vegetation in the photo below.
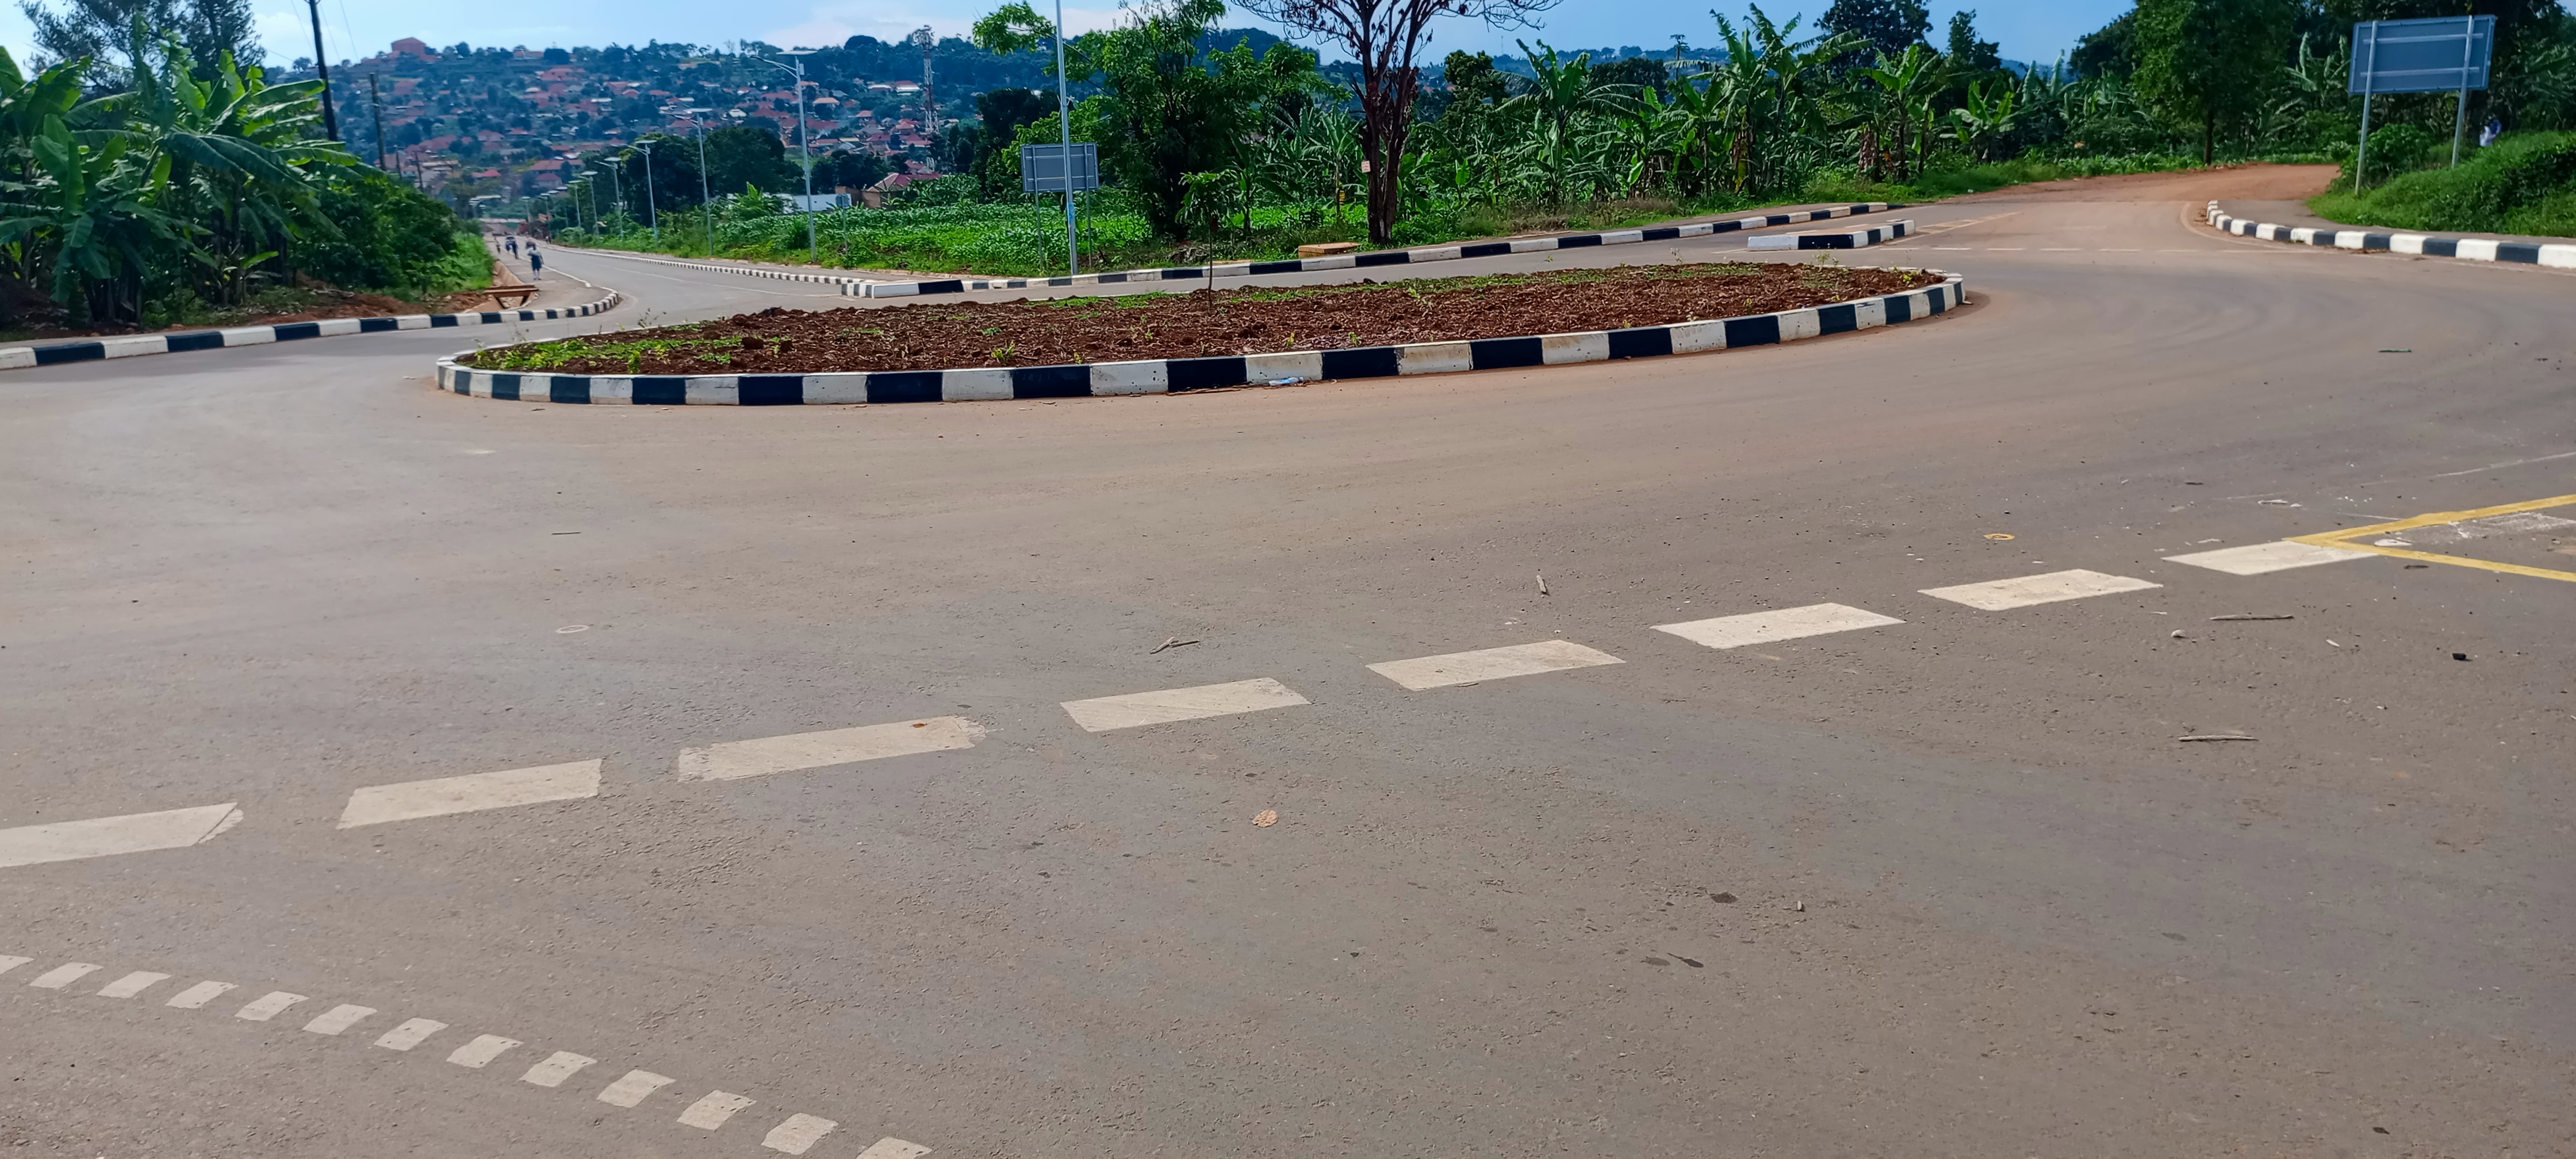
(2524, 183)
(1225, 152)
(174, 185)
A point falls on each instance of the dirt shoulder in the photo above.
(2256, 182)
(1203, 323)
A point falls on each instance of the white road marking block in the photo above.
(634, 1088)
(814, 750)
(268, 1006)
(556, 1068)
(339, 1018)
(63, 975)
(1491, 664)
(195, 997)
(479, 1053)
(1784, 624)
(894, 1149)
(410, 1034)
(1141, 708)
(109, 836)
(710, 1112)
(798, 1134)
(2260, 558)
(413, 800)
(2024, 591)
(132, 984)
(8, 963)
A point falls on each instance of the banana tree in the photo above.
(1985, 120)
(1906, 84)
(90, 208)
(1562, 93)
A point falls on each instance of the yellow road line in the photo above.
(2344, 538)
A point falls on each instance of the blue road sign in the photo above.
(2435, 55)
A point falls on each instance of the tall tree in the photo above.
(2111, 50)
(1888, 25)
(1386, 38)
(2205, 61)
(1967, 53)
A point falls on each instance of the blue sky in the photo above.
(2027, 29)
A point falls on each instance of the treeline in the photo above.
(167, 182)
(1233, 149)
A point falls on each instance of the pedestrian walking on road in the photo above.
(513, 245)
(536, 263)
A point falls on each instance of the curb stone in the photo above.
(1850, 240)
(746, 271)
(130, 346)
(2473, 249)
(1406, 257)
(1174, 375)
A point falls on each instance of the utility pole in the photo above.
(322, 67)
(1064, 119)
(376, 102)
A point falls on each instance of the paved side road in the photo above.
(1211, 775)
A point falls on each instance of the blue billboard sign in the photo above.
(2435, 55)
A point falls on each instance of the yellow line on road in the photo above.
(2344, 539)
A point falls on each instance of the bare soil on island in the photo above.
(1204, 323)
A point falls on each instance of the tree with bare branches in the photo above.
(1387, 37)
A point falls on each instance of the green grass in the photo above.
(544, 356)
(2524, 183)
(1017, 239)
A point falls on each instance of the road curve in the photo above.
(1075, 821)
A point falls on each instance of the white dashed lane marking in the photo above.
(1171, 704)
(2004, 595)
(814, 750)
(410, 1034)
(711, 1112)
(634, 1088)
(63, 975)
(2260, 558)
(413, 800)
(109, 836)
(479, 1053)
(132, 984)
(1491, 664)
(339, 1018)
(268, 1006)
(195, 997)
(1785, 624)
(798, 1134)
(795, 1135)
(557, 1067)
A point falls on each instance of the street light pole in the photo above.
(694, 118)
(652, 218)
(1064, 118)
(804, 145)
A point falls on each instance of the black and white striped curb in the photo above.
(1441, 253)
(2476, 249)
(55, 354)
(842, 280)
(1172, 375)
(1831, 241)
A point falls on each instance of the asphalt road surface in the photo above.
(1947, 884)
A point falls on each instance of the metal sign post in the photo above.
(2436, 54)
(1066, 169)
(1064, 119)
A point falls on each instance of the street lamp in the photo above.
(804, 149)
(706, 195)
(652, 219)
